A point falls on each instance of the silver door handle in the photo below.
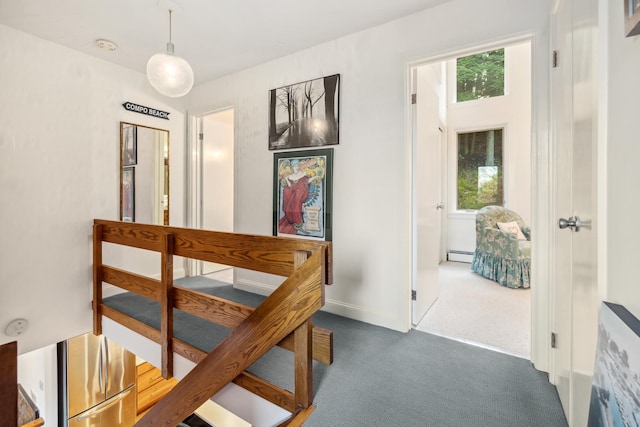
(574, 223)
(440, 205)
(106, 365)
(100, 366)
(103, 406)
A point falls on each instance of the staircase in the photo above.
(283, 319)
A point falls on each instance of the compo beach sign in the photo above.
(130, 106)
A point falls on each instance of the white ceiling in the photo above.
(216, 37)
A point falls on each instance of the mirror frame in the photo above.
(166, 174)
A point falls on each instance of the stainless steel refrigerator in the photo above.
(96, 383)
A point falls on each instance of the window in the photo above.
(480, 75)
(480, 171)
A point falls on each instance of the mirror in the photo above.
(144, 174)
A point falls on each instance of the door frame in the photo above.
(541, 186)
(193, 181)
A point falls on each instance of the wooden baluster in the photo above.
(97, 279)
(166, 303)
(303, 352)
(303, 366)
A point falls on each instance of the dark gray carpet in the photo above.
(386, 378)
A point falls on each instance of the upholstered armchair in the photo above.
(500, 255)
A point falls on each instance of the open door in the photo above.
(575, 263)
(215, 133)
(428, 145)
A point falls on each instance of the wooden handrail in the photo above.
(283, 319)
(35, 423)
(268, 254)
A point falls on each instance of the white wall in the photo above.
(622, 154)
(38, 375)
(59, 169)
(372, 176)
(512, 112)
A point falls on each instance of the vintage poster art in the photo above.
(128, 207)
(615, 390)
(302, 193)
(305, 114)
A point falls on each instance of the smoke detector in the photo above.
(16, 327)
(106, 45)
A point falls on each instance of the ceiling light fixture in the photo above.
(168, 73)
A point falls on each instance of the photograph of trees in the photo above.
(615, 387)
(304, 114)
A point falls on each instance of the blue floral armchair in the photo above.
(500, 255)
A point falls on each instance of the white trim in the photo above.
(603, 128)
(339, 308)
(541, 212)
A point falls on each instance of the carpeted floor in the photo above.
(386, 378)
(477, 310)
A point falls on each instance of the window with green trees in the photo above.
(480, 75)
(480, 171)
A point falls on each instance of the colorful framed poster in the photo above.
(305, 114)
(302, 194)
(615, 390)
(128, 200)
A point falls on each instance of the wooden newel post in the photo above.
(166, 303)
(97, 279)
(9, 383)
(303, 352)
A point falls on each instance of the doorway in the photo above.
(215, 177)
(455, 227)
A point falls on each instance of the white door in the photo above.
(427, 140)
(576, 300)
(216, 178)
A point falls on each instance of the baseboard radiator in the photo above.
(460, 256)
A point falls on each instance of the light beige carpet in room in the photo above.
(473, 309)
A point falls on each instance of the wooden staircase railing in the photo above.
(283, 319)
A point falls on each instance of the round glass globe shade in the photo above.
(169, 74)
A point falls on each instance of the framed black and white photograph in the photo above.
(632, 17)
(302, 194)
(305, 114)
(130, 145)
(615, 386)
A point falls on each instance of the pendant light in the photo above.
(168, 73)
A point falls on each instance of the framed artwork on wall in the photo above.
(632, 17)
(302, 194)
(615, 388)
(305, 114)
(128, 201)
(130, 145)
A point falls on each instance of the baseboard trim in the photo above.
(338, 308)
(460, 256)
